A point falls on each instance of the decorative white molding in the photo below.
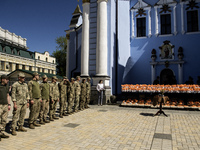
(12, 38)
(156, 21)
(149, 18)
(163, 2)
(145, 6)
(132, 16)
(182, 20)
(174, 12)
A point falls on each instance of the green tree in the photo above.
(60, 55)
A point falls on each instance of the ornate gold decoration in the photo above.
(86, 1)
(192, 4)
(77, 10)
(165, 9)
(141, 12)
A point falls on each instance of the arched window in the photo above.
(38, 57)
(46, 59)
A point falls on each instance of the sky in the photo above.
(39, 21)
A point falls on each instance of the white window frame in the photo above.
(184, 15)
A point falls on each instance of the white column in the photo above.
(182, 19)
(101, 51)
(85, 39)
(67, 57)
(132, 15)
(156, 21)
(149, 17)
(175, 30)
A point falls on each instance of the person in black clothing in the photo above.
(190, 81)
(157, 81)
(198, 81)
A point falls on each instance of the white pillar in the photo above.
(182, 20)
(101, 51)
(132, 15)
(149, 18)
(174, 10)
(156, 21)
(85, 39)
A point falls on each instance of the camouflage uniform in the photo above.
(20, 95)
(4, 91)
(63, 96)
(77, 95)
(88, 92)
(71, 96)
(83, 95)
(45, 88)
(54, 98)
(35, 96)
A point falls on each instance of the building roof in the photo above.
(31, 72)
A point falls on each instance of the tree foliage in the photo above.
(60, 55)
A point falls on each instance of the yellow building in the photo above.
(14, 55)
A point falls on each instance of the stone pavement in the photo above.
(113, 128)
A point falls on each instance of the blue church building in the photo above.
(134, 41)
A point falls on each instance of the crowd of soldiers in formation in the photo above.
(42, 100)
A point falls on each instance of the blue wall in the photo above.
(141, 49)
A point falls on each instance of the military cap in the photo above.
(72, 79)
(21, 75)
(88, 78)
(64, 77)
(4, 77)
(44, 76)
(77, 77)
(35, 74)
(54, 77)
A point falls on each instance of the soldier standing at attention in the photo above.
(63, 96)
(44, 87)
(20, 98)
(88, 92)
(35, 101)
(77, 93)
(54, 98)
(71, 95)
(4, 104)
(83, 94)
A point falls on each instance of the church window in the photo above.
(46, 59)
(165, 24)
(192, 21)
(141, 27)
(38, 57)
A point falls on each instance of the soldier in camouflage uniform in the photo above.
(71, 95)
(54, 98)
(20, 98)
(63, 96)
(4, 104)
(44, 87)
(83, 94)
(88, 92)
(77, 93)
(35, 100)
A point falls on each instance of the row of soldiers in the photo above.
(42, 99)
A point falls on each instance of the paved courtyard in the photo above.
(113, 127)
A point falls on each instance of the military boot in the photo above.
(31, 126)
(42, 122)
(22, 129)
(4, 136)
(51, 119)
(65, 114)
(46, 121)
(61, 116)
(35, 124)
(54, 117)
(14, 132)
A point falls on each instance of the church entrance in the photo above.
(167, 77)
